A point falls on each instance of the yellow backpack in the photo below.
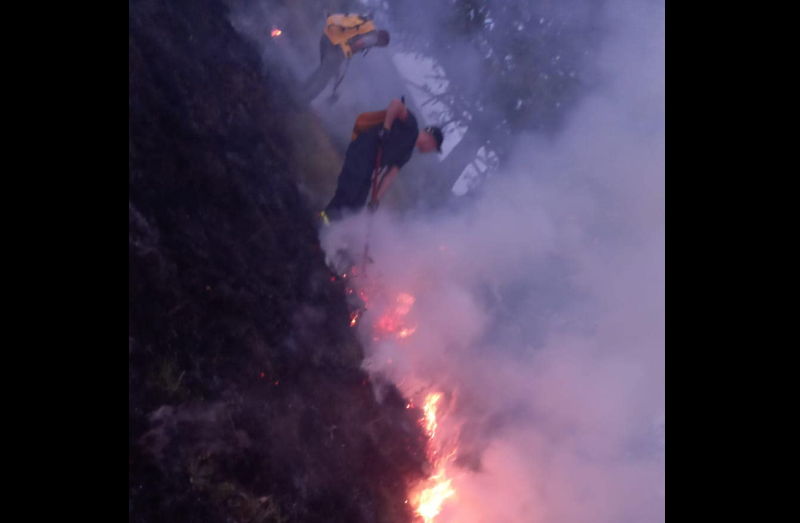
(340, 28)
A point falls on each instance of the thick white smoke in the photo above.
(541, 310)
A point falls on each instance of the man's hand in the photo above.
(396, 110)
(373, 205)
(382, 135)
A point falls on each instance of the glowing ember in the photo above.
(392, 323)
(405, 333)
(388, 324)
(276, 32)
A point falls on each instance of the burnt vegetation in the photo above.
(246, 398)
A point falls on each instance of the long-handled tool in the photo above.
(375, 175)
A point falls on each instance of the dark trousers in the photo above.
(355, 180)
(331, 59)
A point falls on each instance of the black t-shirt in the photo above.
(399, 144)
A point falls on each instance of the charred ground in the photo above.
(246, 398)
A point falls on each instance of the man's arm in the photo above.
(396, 109)
(360, 43)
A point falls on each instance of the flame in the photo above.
(427, 499)
(429, 410)
(394, 320)
(405, 333)
(276, 32)
(392, 323)
(438, 488)
(431, 499)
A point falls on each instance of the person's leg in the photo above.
(345, 198)
(331, 59)
(316, 83)
(354, 181)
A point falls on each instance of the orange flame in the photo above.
(276, 32)
(438, 488)
(429, 504)
(405, 333)
(429, 410)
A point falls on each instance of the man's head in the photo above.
(383, 38)
(430, 139)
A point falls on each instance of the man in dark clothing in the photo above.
(387, 147)
(332, 56)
